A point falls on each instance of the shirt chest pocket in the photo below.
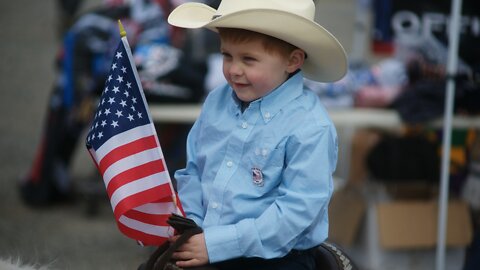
(265, 153)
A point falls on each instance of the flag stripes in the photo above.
(124, 146)
(132, 189)
(132, 161)
(157, 208)
(148, 218)
(142, 237)
(124, 138)
(145, 227)
(127, 150)
(136, 173)
(138, 199)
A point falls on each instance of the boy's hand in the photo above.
(192, 253)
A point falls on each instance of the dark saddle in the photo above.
(327, 256)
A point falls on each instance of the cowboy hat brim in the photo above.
(326, 61)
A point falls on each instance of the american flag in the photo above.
(124, 145)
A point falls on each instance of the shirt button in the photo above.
(244, 125)
(229, 164)
(214, 205)
(267, 115)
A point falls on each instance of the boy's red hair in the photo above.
(270, 44)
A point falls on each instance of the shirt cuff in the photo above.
(197, 221)
(222, 243)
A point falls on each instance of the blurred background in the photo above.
(53, 208)
(63, 236)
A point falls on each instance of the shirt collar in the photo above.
(272, 103)
(235, 105)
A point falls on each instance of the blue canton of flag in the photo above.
(121, 105)
(124, 145)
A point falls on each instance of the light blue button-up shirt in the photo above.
(259, 182)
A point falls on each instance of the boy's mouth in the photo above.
(239, 85)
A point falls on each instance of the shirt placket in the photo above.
(244, 125)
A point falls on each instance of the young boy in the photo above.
(258, 178)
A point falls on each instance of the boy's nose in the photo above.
(235, 69)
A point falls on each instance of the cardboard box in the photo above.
(407, 220)
(395, 227)
(413, 224)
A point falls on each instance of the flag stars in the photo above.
(119, 79)
(120, 101)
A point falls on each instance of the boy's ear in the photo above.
(295, 61)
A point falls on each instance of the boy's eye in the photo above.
(226, 55)
(249, 59)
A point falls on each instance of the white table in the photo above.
(346, 121)
(352, 118)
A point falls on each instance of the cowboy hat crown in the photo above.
(291, 21)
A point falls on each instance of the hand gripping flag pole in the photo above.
(124, 146)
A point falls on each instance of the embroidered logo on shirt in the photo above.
(257, 176)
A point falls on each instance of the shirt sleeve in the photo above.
(188, 182)
(301, 204)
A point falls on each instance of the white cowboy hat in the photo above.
(288, 20)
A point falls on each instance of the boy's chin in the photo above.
(245, 98)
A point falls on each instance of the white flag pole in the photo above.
(453, 37)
